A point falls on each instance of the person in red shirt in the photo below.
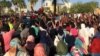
(74, 30)
(95, 45)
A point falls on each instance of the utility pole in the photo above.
(0, 10)
(55, 4)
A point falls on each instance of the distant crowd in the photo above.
(41, 34)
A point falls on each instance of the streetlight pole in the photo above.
(55, 4)
(0, 10)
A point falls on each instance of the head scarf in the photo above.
(30, 38)
(30, 42)
(15, 42)
(82, 26)
(39, 50)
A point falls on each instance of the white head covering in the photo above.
(30, 38)
(83, 26)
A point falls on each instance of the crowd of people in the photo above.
(41, 34)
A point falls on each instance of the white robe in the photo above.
(83, 32)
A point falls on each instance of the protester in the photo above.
(74, 31)
(39, 50)
(30, 43)
(7, 35)
(85, 35)
(95, 45)
(1, 46)
(13, 47)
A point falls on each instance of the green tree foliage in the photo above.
(66, 0)
(84, 7)
(32, 2)
(11, 12)
(20, 3)
(5, 3)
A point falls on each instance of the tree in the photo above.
(19, 3)
(64, 10)
(65, 0)
(5, 3)
(32, 2)
(10, 12)
(84, 7)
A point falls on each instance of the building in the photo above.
(60, 4)
(97, 11)
(47, 5)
